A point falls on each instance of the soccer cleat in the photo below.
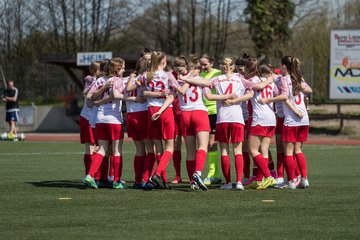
(90, 182)
(291, 184)
(197, 178)
(194, 186)
(254, 185)
(110, 178)
(137, 186)
(279, 181)
(268, 182)
(103, 184)
(298, 180)
(148, 186)
(119, 185)
(122, 181)
(156, 180)
(248, 181)
(177, 180)
(226, 186)
(239, 186)
(304, 183)
(166, 186)
(209, 181)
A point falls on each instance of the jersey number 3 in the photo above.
(193, 92)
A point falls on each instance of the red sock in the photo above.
(246, 165)
(139, 168)
(177, 163)
(117, 168)
(163, 174)
(96, 160)
(280, 165)
(190, 167)
(225, 166)
(255, 168)
(271, 165)
(239, 166)
(290, 166)
(301, 160)
(200, 160)
(259, 175)
(111, 170)
(164, 161)
(148, 166)
(262, 164)
(87, 163)
(104, 169)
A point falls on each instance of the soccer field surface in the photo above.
(41, 197)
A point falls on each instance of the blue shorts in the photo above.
(12, 116)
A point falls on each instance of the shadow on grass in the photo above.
(183, 187)
(324, 130)
(58, 184)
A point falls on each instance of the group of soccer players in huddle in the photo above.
(242, 105)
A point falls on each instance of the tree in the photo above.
(268, 24)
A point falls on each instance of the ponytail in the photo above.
(156, 58)
(295, 75)
(228, 63)
(292, 65)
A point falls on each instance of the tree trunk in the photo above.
(202, 43)
(193, 15)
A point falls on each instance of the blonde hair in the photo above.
(156, 58)
(114, 66)
(228, 64)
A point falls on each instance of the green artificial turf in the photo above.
(34, 175)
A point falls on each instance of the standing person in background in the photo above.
(10, 97)
(208, 72)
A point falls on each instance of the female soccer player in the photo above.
(180, 69)
(230, 122)
(136, 108)
(161, 124)
(263, 123)
(240, 65)
(86, 132)
(208, 72)
(296, 122)
(108, 122)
